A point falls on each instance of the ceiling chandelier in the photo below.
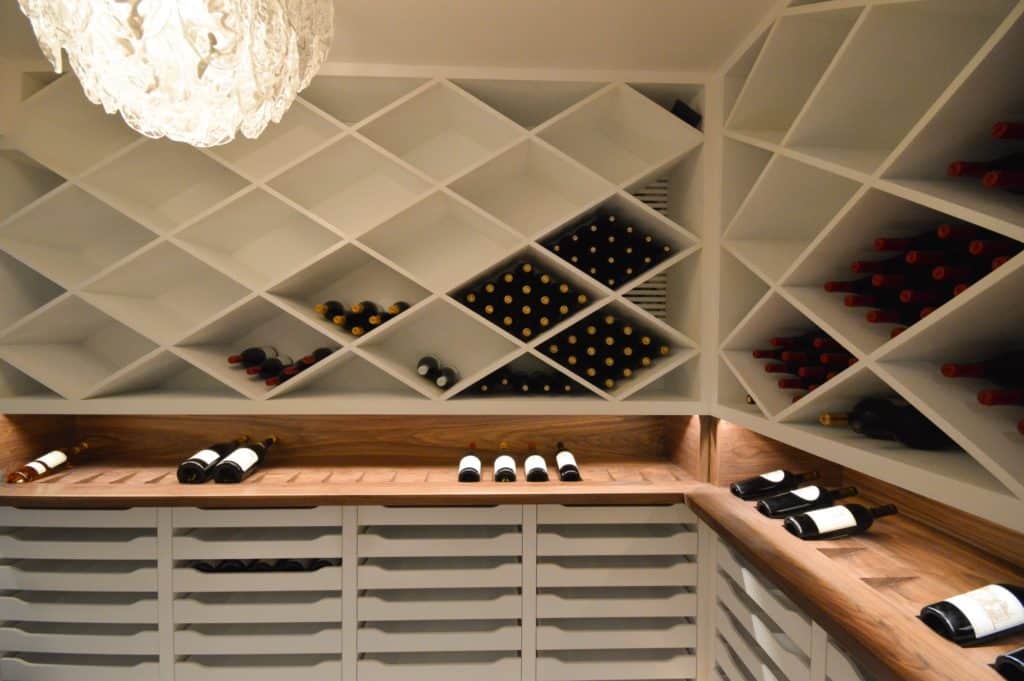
(194, 71)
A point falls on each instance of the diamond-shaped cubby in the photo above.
(851, 239)
(163, 293)
(15, 384)
(350, 99)
(531, 188)
(621, 135)
(528, 102)
(24, 290)
(349, 377)
(775, 318)
(351, 186)
(255, 323)
(442, 240)
(163, 378)
(71, 346)
(163, 184)
(349, 275)
(789, 204)
(615, 348)
(300, 131)
(66, 132)
(257, 239)
(671, 293)
(680, 382)
(526, 376)
(24, 181)
(620, 241)
(72, 236)
(429, 332)
(441, 131)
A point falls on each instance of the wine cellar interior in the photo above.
(562, 368)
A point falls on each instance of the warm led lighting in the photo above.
(194, 71)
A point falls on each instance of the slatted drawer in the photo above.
(291, 542)
(129, 517)
(772, 640)
(321, 516)
(440, 573)
(747, 651)
(619, 515)
(616, 540)
(440, 604)
(64, 543)
(415, 637)
(839, 667)
(433, 540)
(459, 516)
(611, 634)
(256, 668)
(605, 603)
(188, 579)
(205, 608)
(84, 639)
(775, 604)
(259, 639)
(616, 572)
(78, 575)
(55, 606)
(592, 665)
(733, 668)
(31, 667)
(466, 666)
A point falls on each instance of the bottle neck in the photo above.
(844, 492)
(881, 511)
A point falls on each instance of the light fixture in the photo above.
(195, 71)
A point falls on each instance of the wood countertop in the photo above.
(866, 591)
(636, 481)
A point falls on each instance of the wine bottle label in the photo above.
(207, 456)
(565, 458)
(37, 467)
(774, 476)
(534, 462)
(990, 609)
(244, 457)
(812, 493)
(504, 461)
(832, 519)
(53, 459)
(470, 462)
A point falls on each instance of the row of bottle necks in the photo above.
(810, 512)
(1005, 172)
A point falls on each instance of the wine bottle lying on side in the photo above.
(978, 615)
(835, 522)
(801, 500)
(1011, 665)
(770, 484)
(885, 418)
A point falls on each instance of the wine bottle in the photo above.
(993, 247)
(977, 615)
(926, 296)
(1009, 180)
(261, 565)
(901, 315)
(862, 285)
(233, 565)
(890, 419)
(330, 309)
(293, 565)
(801, 341)
(770, 484)
(397, 308)
(199, 467)
(504, 465)
(936, 257)
(995, 398)
(1008, 130)
(239, 464)
(903, 244)
(251, 357)
(980, 169)
(365, 308)
(535, 466)
(1005, 369)
(685, 113)
(446, 378)
(469, 465)
(428, 367)
(835, 522)
(271, 367)
(897, 264)
(46, 464)
(802, 500)
(965, 273)
(1011, 665)
(568, 469)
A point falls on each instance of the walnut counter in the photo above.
(866, 591)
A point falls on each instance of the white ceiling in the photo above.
(661, 35)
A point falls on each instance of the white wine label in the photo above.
(774, 476)
(207, 456)
(535, 461)
(812, 493)
(244, 457)
(53, 459)
(471, 462)
(504, 461)
(832, 519)
(564, 459)
(990, 609)
(37, 467)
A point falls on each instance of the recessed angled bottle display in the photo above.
(770, 484)
(836, 521)
(978, 615)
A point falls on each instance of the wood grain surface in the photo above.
(866, 591)
(738, 453)
(683, 438)
(23, 438)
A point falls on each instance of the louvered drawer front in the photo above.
(616, 597)
(440, 592)
(839, 667)
(748, 654)
(740, 664)
(79, 594)
(233, 621)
